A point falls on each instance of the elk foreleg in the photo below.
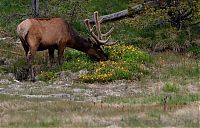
(60, 54)
(51, 57)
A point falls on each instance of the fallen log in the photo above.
(131, 12)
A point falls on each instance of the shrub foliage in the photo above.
(125, 62)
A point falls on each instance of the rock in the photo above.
(48, 96)
(18, 41)
(63, 75)
(5, 81)
(83, 72)
(78, 90)
(16, 81)
(58, 82)
(4, 38)
(1, 89)
(192, 88)
(11, 75)
(67, 76)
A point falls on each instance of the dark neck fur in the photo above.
(79, 43)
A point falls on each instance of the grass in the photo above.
(174, 99)
(176, 65)
(171, 87)
(54, 113)
(5, 97)
(46, 76)
(31, 124)
(195, 50)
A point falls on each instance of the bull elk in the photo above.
(55, 33)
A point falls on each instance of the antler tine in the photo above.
(103, 42)
(110, 43)
(97, 23)
(101, 39)
(108, 33)
(98, 29)
(90, 29)
(106, 42)
(86, 21)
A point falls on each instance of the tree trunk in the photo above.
(46, 8)
(35, 8)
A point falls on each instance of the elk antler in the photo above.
(101, 39)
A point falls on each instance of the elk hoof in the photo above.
(33, 79)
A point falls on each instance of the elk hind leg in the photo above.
(30, 57)
(60, 54)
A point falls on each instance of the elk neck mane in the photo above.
(78, 42)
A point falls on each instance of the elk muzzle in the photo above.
(97, 54)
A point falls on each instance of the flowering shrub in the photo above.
(125, 62)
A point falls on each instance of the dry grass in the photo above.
(62, 113)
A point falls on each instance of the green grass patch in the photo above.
(46, 76)
(186, 70)
(170, 87)
(134, 100)
(36, 124)
(195, 50)
(135, 121)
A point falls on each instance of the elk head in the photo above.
(97, 39)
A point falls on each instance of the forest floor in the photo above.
(167, 97)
